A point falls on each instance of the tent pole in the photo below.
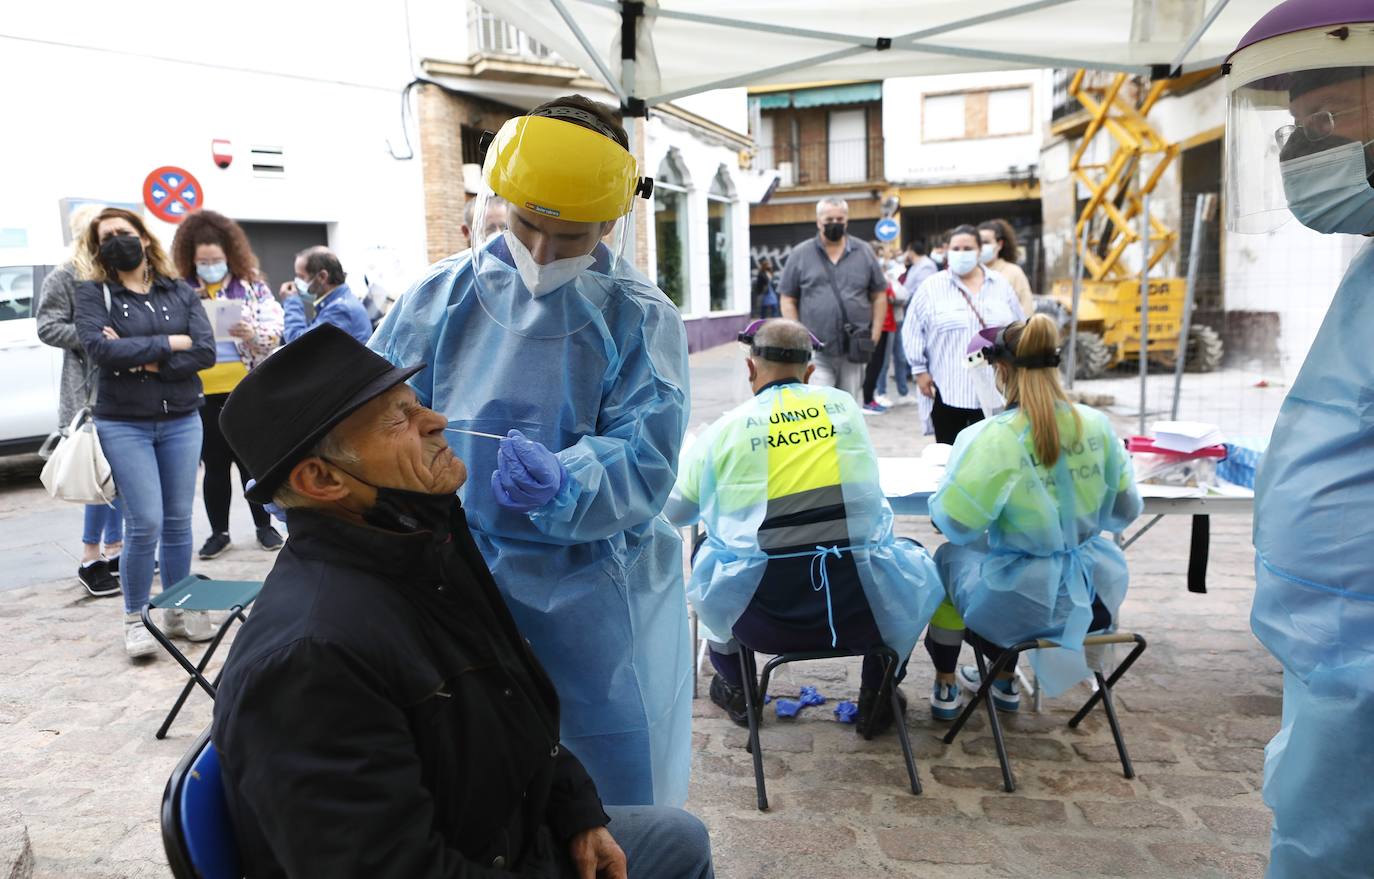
(631, 107)
(1144, 303)
(1189, 296)
(1176, 68)
(1078, 264)
(586, 44)
(757, 75)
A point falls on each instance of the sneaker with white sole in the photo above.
(1006, 693)
(945, 701)
(138, 641)
(193, 625)
(883, 400)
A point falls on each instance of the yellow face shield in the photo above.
(561, 170)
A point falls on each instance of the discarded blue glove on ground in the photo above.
(787, 707)
(809, 696)
(846, 711)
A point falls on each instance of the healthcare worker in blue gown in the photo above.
(543, 334)
(1301, 145)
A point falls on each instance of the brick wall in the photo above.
(442, 117)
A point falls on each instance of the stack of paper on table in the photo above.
(1186, 436)
(900, 477)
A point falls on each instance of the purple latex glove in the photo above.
(527, 475)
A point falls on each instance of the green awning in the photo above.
(827, 96)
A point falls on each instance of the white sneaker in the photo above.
(138, 641)
(883, 400)
(1006, 694)
(193, 625)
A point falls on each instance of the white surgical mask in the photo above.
(987, 253)
(961, 262)
(303, 286)
(1330, 191)
(544, 279)
(212, 273)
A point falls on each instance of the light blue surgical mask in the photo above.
(987, 253)
(303, 288)
(212, 273)
(1330, 191)
(962, 262)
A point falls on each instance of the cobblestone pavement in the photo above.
(81, 766)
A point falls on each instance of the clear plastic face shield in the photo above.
(550, 223)
(1300, 132)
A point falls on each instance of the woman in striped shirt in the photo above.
(942, 318)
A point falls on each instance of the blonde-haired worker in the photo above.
(1025, 499)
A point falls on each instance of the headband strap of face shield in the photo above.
(774, 354)
(991, 346)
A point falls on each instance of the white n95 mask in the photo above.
(544, 279)
(1330, 191)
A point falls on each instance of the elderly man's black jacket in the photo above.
(381, 716)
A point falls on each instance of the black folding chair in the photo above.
(200, 594)
(196, 831)
(754, 688)
(1103, 694)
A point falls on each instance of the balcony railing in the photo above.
(490, 35)
(1061, 103)
(819, 162)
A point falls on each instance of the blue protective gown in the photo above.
(1314, 595)
(1026, 554)
(597, 372)
(795, 448)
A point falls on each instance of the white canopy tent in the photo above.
(658, 51)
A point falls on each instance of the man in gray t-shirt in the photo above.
(807, 294)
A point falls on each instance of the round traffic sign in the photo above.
(171, 193)
(886, 229)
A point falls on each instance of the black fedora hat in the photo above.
(288, 403)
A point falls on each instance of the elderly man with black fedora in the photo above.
(379, 714)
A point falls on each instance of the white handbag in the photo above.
(77, 470)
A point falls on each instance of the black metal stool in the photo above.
(1103, 694)
(754, 688)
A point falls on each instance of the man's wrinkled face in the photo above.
(549, 239)
(401, 444)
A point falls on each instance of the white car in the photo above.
(32, 371)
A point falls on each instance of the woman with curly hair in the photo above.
(213, 255)
(149, 335)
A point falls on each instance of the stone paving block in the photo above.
(1024, 811)
(16, 853)
(1256, 731)
(962, 777)
(1216, 759)
(797, 837)
(1098, 855)
(1205, 860)
(792, 741)
(739, 767)
(1141, 752)
(1018, 748)
(1236, 820)
(1073, 782)
(1212, 786)
(938, 848)
(1258, 705)
(925, 806)
(1136, 814)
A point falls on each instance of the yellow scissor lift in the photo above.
(1110, 222)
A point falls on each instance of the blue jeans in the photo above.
(661, 842)
(154, 464)
(899, 366)
(104, 524)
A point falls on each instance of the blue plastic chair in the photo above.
(196, 831)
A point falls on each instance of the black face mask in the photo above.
(834, 231)
(123, 253)
(398, 509)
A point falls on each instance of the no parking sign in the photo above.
(171, 193)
